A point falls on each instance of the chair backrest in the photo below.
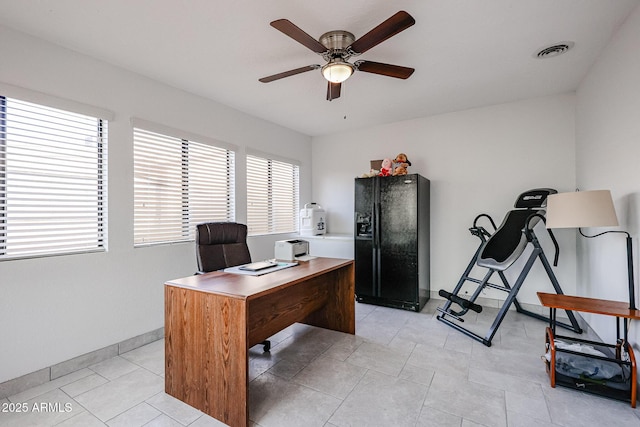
(506, 245)
(220, 245)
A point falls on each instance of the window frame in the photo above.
(271, 214)
(188, 217)
(44, 107)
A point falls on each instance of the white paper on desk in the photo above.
(280, 266)
(305, 257)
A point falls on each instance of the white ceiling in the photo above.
(466, 53)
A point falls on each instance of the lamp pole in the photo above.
(632, 294)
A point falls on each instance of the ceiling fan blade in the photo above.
(333, 90)
(290, 29)
(288, 73)
(392, 26)
(384, 69)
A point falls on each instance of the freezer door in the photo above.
(364, 251)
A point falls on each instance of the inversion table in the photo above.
(496, 253)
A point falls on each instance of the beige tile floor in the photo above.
(400, 369)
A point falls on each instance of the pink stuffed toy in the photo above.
(385, 169)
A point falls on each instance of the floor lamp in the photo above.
(589, 209)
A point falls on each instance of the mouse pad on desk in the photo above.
(257, 266)
(274, 266)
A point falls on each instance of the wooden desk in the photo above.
(617, 309)
(212, 320)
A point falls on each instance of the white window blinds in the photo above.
(272, 196)
(178, 184)
(53, 183)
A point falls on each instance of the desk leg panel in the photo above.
(273, 312)
(338, 313)
(206, 353)
(326, 301)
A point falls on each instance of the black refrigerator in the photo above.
(392, 241)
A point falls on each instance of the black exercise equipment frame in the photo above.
(537, 252)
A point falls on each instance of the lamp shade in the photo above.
(581, 209)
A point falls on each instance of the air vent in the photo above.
(555, 50)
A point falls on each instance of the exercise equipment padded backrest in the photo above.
(506, 245)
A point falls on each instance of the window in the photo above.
(53, 184)
(177, 184)
(272, 196)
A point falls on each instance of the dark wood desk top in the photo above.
(246, 287)
(588, 305)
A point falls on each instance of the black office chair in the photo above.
(220, 245)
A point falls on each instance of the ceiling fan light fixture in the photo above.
(337, 71)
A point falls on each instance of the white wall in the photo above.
(478, 161)
(53, 309)
(608, 157)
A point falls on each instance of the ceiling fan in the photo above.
(337, 47)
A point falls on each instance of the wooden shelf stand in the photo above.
(621, 352)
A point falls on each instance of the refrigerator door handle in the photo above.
(376, 222)
(376, 250)
(378, 275)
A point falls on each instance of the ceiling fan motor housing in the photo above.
(338, 39)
